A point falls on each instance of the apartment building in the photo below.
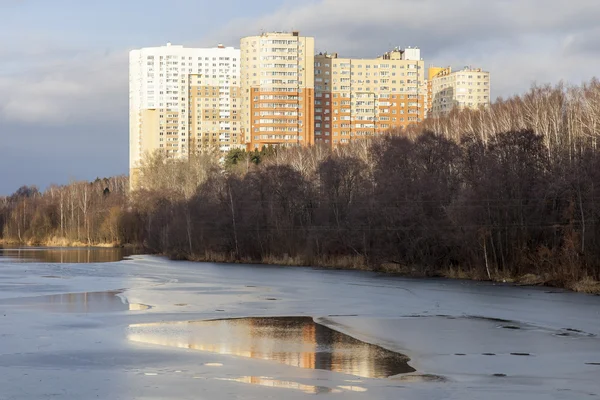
(357, 98)
(431, 73)
(183, 100)
(468, 88)
(277, 86)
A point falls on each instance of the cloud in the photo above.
(585, 43)
(521, 36)
(50, 84)
(64, 99)
(63, 115)
(69, 87)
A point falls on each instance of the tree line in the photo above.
(494, 210)
(80, 213)
(509, 191)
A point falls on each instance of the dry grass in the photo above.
(342, 263)
(107, 245)
(457, 273)
(209, 256)
(57, 242)
(285, 260)
(62, 242)
(393, 268)
(531, 280)
(470, 274)
(585, 285)
(357, 263)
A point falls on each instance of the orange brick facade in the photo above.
(357, 98)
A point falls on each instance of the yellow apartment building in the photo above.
(277, 89)
(358, 98)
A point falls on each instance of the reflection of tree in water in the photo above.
(68, 255)
(325, 340)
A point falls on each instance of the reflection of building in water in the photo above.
(297, 342)
(309, 359)
(270, 382)
(346, 354)
(93, 302)
(82, 302)
(325, 342)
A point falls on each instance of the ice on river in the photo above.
(149, 328)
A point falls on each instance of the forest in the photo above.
(508, 193)
(77, 214)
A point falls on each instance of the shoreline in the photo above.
(64, 243)
(585, 285)
(345, 263)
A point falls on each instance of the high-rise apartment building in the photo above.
(183, 100)
(431, 73)
(357, 98)
(277, 85)
(467, 88)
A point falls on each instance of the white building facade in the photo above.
(468, 88)
(183, 100)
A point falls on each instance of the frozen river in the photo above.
(149, 328)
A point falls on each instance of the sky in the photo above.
(64, 63)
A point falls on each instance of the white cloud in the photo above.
(65, 105)
(518, 41)
(81, 87)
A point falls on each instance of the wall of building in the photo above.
(431, 73)
(215, 116)
(357, 98)
(468, 88)
(183, 100)
(275, 91)
(277, 86)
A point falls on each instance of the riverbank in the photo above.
(473, 340)
(60, 242)
(585, 285)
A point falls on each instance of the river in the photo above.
(99, 323)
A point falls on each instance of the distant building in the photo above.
(431, 73)
(275, 91)
(358, 98)
(277, 84)
(447, 90)
(183, 100)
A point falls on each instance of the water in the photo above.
(289, 385)
(293, 341)
(86, 303)
(85, 255)
(278, 384)
(68, 330)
